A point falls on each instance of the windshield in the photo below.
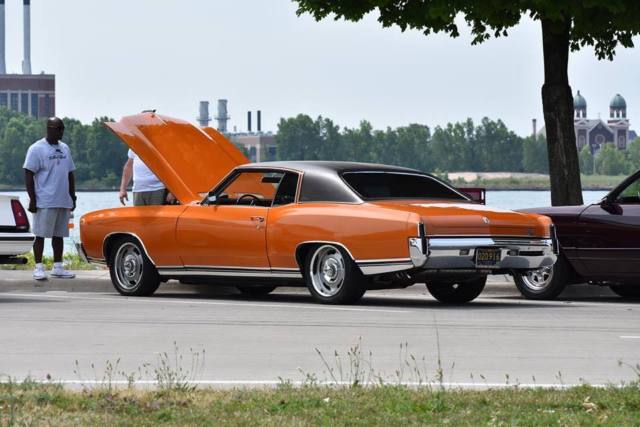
(393, 185)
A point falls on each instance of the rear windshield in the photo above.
(386, 185)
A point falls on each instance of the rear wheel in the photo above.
(543, 283)
(458, 292)
(132, 273)
(332, 277)
(626, 291)
(256, 291)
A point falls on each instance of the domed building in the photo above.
(596, 132)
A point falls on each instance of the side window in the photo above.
(287, 190)
(251, 188)
(318, 188)
(631, 194)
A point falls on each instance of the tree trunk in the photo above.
(557, 104)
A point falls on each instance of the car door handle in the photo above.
(258, 220)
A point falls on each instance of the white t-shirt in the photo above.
(50, 164)
(143, 178)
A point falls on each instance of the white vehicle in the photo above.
(15, 232)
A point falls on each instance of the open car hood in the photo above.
(189, 160)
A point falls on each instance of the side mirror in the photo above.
(609, 205)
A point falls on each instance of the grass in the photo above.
(34, 404)
(72, 261)
(364, 401)
(589, 182)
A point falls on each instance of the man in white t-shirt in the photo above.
(147, 188)
(48, 170)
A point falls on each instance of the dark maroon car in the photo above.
(599, 244)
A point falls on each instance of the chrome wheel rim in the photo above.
(539, 279)
(128, 265)
(327, 271)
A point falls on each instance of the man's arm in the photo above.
(127, 174)
(72, 189)
(31, 190)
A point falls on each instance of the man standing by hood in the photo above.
(48, 170)
(147, 188)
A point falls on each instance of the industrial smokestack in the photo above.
(223, 116)
(259, 121)
(3, 64)
(535, 129)
(249, 121)
(203, 118)
(26, 62)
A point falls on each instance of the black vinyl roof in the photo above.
(329, 166)
(322, 180)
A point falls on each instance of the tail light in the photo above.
(20, 216)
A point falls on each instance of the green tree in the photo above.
(566, 25)
(610, 160)
(586, 161)
(298, 138)
(534, 155)
(633, 155)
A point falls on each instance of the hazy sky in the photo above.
(118, 57)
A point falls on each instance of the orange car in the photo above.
(340, 228)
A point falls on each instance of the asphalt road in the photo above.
(498, 339)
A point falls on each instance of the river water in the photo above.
(516, 199)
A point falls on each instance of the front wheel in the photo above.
(132, 273)
(458, 292)
(626, 291)
(543, 283)
(332, 277)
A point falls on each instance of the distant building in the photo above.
(30, 94)
(259, 146)
(596, 132)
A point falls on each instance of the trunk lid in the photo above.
(445, 218)
(189, 160)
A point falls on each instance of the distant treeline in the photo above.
(97, 153)
(611, 161)
(465, 146)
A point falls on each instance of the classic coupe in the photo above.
(600, 245)
(339, 228)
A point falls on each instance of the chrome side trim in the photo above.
(382, 261)
(369, 268)
(230, 272)
(101, 261)
(130, 234)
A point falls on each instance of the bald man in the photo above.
(48, 170)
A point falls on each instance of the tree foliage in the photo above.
(602, 24)
(97, 153)
(464, 146)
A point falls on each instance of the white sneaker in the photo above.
(38, 272)
(59, 272)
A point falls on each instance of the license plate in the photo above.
(488, 257)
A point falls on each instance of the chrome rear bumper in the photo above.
(460, 252)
